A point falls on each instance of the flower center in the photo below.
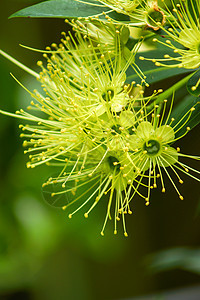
(114, 164)
(115, 129)
(152, 147)
(155, 17)
(108, 95)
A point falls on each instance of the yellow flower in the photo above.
(140, 12)
(152, 152)
(81, 124)
(103, 32)
(185, 30)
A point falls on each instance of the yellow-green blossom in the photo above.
(111, 38)
(82, 123)
(140, 12)
(99, 131)
(184, 29)
(102, 32)
(152, 152)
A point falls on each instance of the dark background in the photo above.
(43, 254)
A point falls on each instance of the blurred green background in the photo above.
(43, 254)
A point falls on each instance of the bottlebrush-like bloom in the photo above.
(152, 152)
(98, 130)
(83, 123)
(104, 33)
(185, 30)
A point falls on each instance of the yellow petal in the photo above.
(191, 59)
(186, 37)
(169, 157)
(118, 102)
(165, 133)
(144, 130)
(127, 119)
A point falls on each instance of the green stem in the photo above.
(17, 63)
(170, 91)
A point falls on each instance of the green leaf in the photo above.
(118, 17)
(152, 72)
(167, 259)
(181, 110)
(72, 192)
(193, 85)
(62, 9)
(169, 92)
(181, 258)
(131, 42)
(192, 7)
(69, 9)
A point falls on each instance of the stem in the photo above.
(169, 91)
(17, 63)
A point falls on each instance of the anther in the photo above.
(39, 63)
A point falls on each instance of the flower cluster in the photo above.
(98, 127)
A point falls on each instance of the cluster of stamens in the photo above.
(98, 128)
